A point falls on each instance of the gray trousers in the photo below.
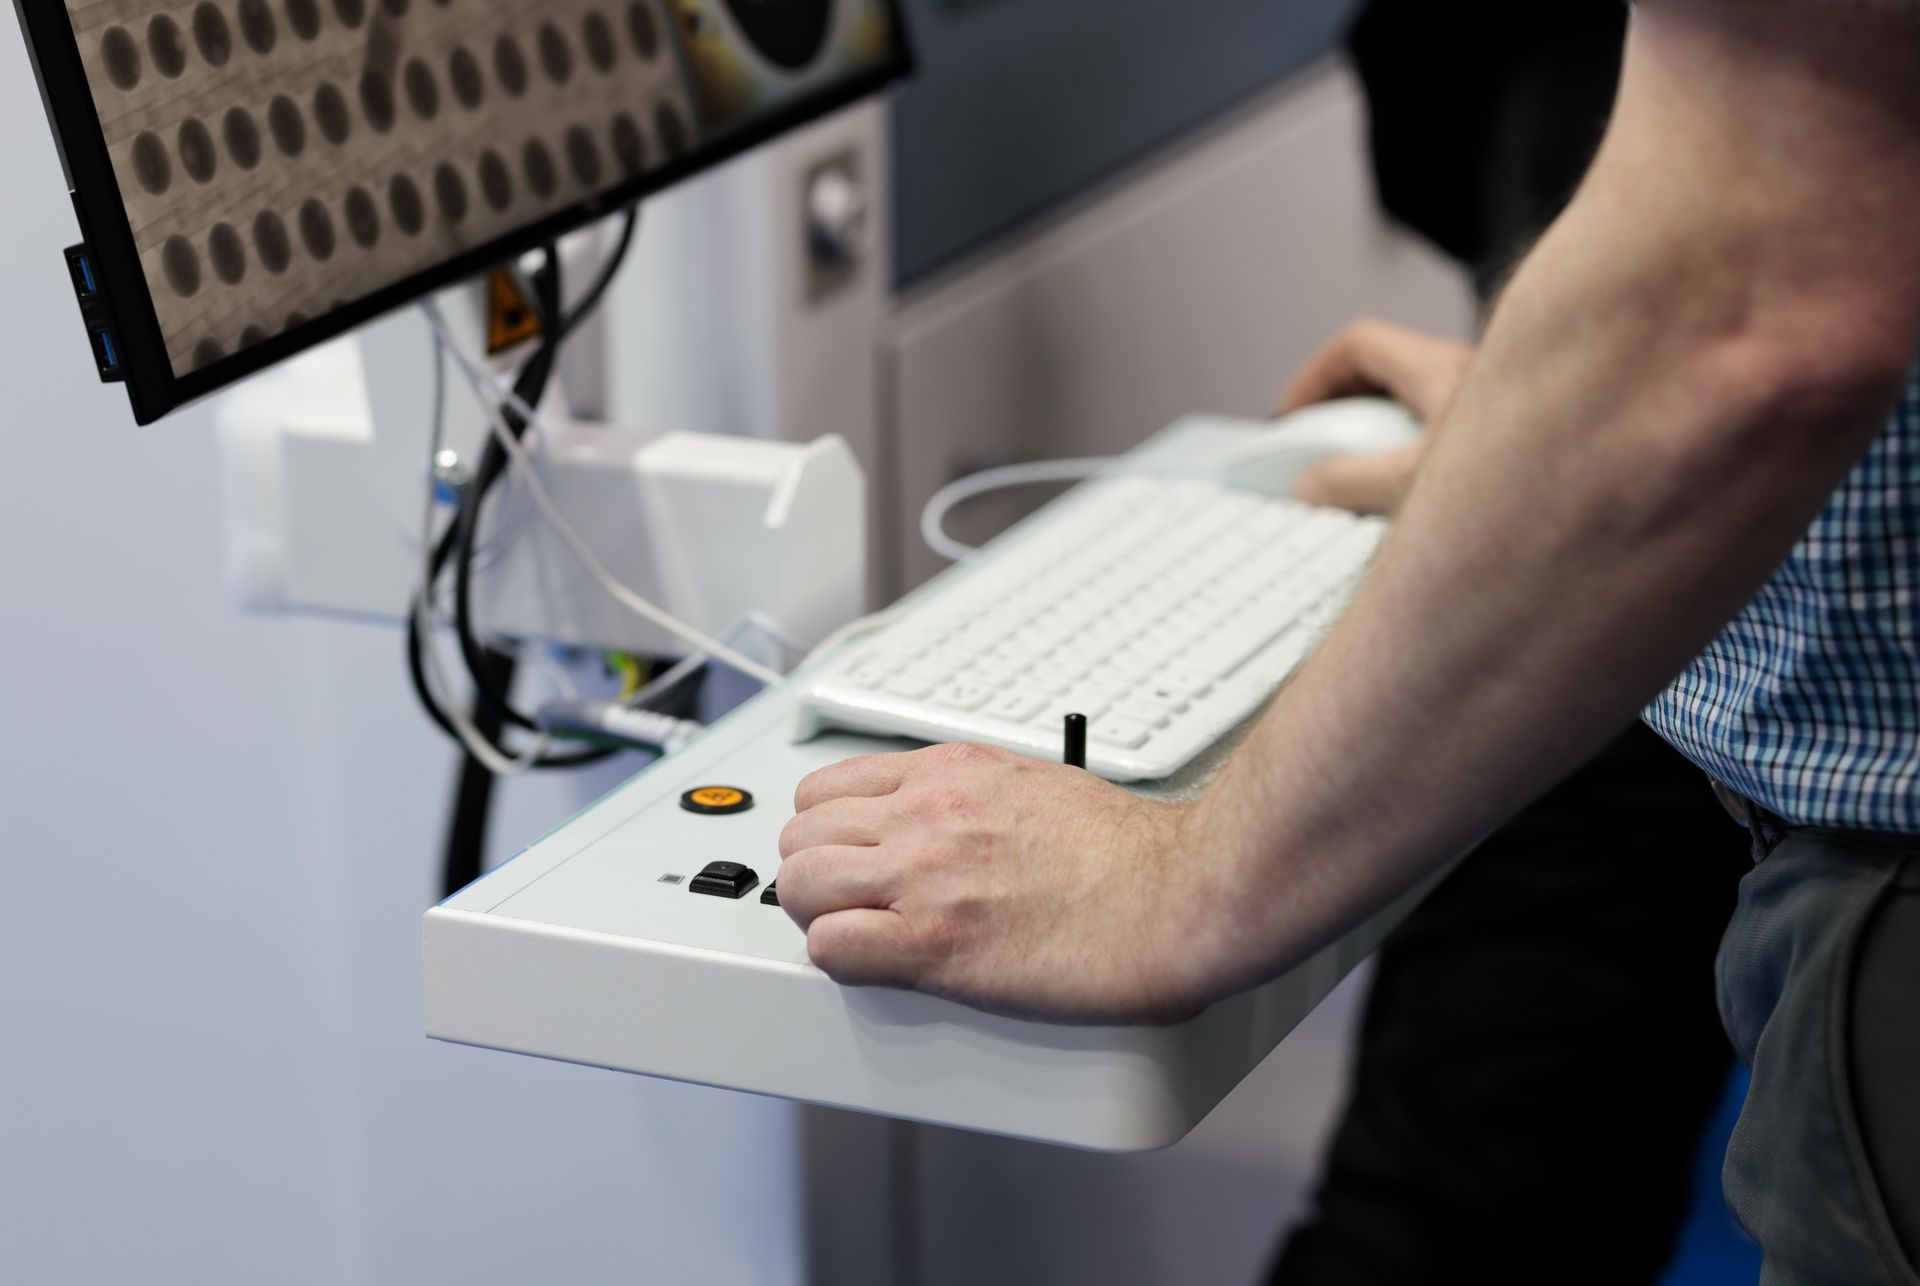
(1819, 984)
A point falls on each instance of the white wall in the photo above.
(221, 832)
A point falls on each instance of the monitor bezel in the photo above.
(53, 49)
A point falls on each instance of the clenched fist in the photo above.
(1002, 882)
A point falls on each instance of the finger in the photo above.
(850, 820)
(1375, 358)
(821, 881)
(865, 949)
(870, 775)
(1368, 484)
(1331, 372)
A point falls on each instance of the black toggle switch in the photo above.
(1075, 753)
(772, 896)
(725, 880)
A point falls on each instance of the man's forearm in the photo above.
(1673, 385)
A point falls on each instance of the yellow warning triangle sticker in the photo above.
(511, 319)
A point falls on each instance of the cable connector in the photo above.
(612, 721)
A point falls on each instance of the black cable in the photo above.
(530, 386)
(492, 682)
(490, 688)
(591, 300)
(465, 856)
(494, 464)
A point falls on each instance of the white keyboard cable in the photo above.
(493, 396)
(933, 519)
(1273, 444)
(853, 629)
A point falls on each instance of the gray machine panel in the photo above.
(1020, 105)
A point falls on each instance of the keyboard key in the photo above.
(1147, 713)
(1107, 684)
(1019, 706)
(1031, 641)
(974, 640)
(1080, 701)
(964, 696)
(1122, 734)
(1053, 678)
(994, 676)
(1186, 680)
(912, 689)
(1022, 647)
(1164, 696)
(1134, 656)
(949, 658)
(1229, 651)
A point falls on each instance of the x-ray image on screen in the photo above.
(747, 57)
(278, 161)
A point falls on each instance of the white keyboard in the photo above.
(1166, 611)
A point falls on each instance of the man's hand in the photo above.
(1376, 359)
(1002, 882)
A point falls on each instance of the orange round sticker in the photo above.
(716, 800)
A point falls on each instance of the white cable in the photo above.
(512, 511)
(759, 620)
(933, 519)
(493, 397)
(687, 665)
(642, 727)
(852, 630)
(470, 736)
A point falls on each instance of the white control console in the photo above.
(593, 947)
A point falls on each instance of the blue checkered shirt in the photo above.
(1809, 701)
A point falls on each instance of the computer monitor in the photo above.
(253, 177)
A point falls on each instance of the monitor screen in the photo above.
(254, 176)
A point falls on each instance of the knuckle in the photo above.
(824, 947)
(796, 873)
(944, 803)
(797, 896)
(836, 950)
(941, 936)
(962, 753)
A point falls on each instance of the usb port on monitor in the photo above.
(105, 351)
(83, 281)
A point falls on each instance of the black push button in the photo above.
(772, 896)
(725, 880)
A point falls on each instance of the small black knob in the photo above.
(1075, 755)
